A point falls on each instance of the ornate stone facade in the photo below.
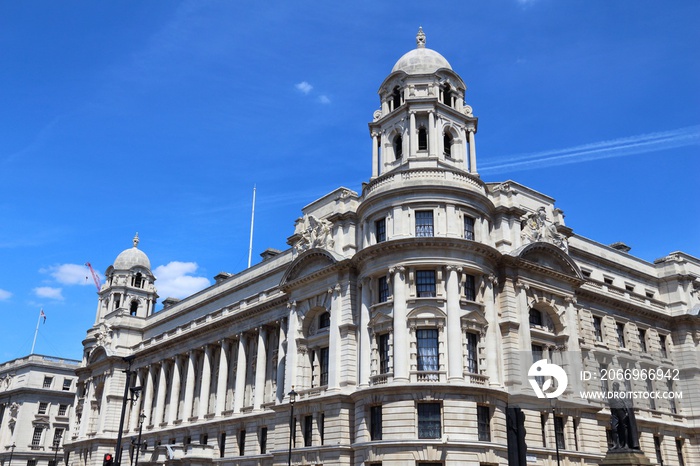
(405, 318)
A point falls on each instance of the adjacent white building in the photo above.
(405, 318)
(36, 399)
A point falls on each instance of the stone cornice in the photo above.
(620, 303)
(433, 242)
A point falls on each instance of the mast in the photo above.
(252, 222)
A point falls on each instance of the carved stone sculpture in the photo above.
(623, 424)
(315, 233)
(536, 227)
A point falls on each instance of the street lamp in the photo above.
(137, 451)
(12, 451)
(292, 399)
(56, 447)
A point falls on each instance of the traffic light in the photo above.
(108, 460)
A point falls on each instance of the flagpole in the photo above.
(35, 332)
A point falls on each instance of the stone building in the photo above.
(405, 319)
(36, 400)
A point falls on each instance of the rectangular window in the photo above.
(598, 328)
(671, 401)
(427, 348)
(643, 340)
(36, 437)
(608, 280)
(425, 283)
(620, 327)
(468, 228)
(424, 223)
(604, 380)
(662, 343)
(679, 449)
(57, 436)
(650, 389)
(537, 354)
(375, 422)
(469, 287)
(559, 432)
(483, 417)
(31, 462)
(383, 348)
(263, 440)
(472, 353)
(222, 445)
(382, 289)
(47, 382)
(62, 410)
(321, 425)
(657, 449)
(543, 427)
(43, 407)
(308, 430)
(66, 384)
(323, 364)
(429, 425)
(203, 439)
(380, 230)
(241, 443)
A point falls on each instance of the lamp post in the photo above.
(56, 447)
(127, 386)
(137, 451)
(292, 399)
(12, 451)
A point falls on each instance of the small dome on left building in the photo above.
(132, 257)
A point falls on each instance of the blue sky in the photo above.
(160, 116)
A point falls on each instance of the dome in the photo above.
(132, 257)
(421, 60)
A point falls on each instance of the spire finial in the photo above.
(420, 38)
(136, 239)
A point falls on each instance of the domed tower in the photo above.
(129, 287)
(423, 120)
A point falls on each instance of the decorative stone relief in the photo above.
(537, 228)
(315, 233)
(103, 335)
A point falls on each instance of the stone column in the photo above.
(365, 352)
(160, 396)
(290, 364)
(400, 325)
(412, 136)
(86, 414)
(281, 361)
(472, 153)
(222, 382)
(175, 390)
(375, 154)
(572, 357)
(334, 366)
(523, 331)
(239, 393)
(189, 387)
(432, 135)
(455, 372)
(260, 369)
(148, 395)
(492, 333)
(206, 383)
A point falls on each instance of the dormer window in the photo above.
(422, 138)
(396, 98)
(398, 147)
(447, 143)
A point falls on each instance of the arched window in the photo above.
(422, 139)
(398, 147)
(396, 98)
(535, 318)
(134, 307)
(447, 95)
(324, 320)
(137, 280)
(447, 142)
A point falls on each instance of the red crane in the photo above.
(95, 277)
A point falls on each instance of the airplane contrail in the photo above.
(613, 148)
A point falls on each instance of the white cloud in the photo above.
(4, 294)
(70, 274)
(324, 99)
(175, 280)
(304, 87)
(49, 292)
